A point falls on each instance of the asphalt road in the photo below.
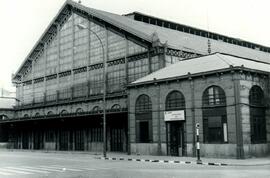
(74, 165)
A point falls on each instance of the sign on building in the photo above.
(174, 115)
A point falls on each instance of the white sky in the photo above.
(23, 21)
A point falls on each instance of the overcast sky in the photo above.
(23, 21)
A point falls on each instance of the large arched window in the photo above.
(50, 113)
(63, 112)
(37, 114)
(214, 115)
(257, 115)
(96, 109)
(143, 114)
(3, 117)
(116, 108)
(175, 101)
(79, 111)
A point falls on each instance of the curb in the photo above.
(162, 161)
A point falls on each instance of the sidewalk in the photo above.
(160, 159)
(188, 160)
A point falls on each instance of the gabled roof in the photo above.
(176, 39)
(204, 64)
(171, 38)
(194, 30)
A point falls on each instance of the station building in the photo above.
(226, 95)
(59, 87)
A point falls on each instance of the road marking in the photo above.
(31, 170)
(64, 168)
(43, 168)
(89, 169)
(15, 171)
(5, 173)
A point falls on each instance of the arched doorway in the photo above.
(175, 123)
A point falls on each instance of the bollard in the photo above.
(199, 161)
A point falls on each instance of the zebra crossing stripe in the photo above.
(43, 168)
(31, 170)
(90, 169)
(15, 171)
(5, 173)
(62, 168)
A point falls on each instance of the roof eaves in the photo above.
(226, 54)
(185, 76)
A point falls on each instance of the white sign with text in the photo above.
(174, 115)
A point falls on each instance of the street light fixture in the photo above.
(82, 27)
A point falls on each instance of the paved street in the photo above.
(27, 164)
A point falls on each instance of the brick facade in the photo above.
(192, 89)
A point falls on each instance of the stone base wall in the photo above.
(218, 150)
(95, 146)
(49, 146)
(148, 148)
(3, 145)
(256, 150)
(189, 150)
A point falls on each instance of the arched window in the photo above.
(214, 115)
(214, 96)
(63, 112)
(37, 114)
(116, 108)
(96, 109)
(49, 113)
(26, 116)
(143, 114)
(175, 101)
(257, 115)
(79, 111)
(3, 117)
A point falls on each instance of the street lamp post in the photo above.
(81, 27)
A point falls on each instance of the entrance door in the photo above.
(117, 127)
(175, 141)
(117, 138)
(63, 140)
(25, 140)
(79, 139)
(38, 140)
